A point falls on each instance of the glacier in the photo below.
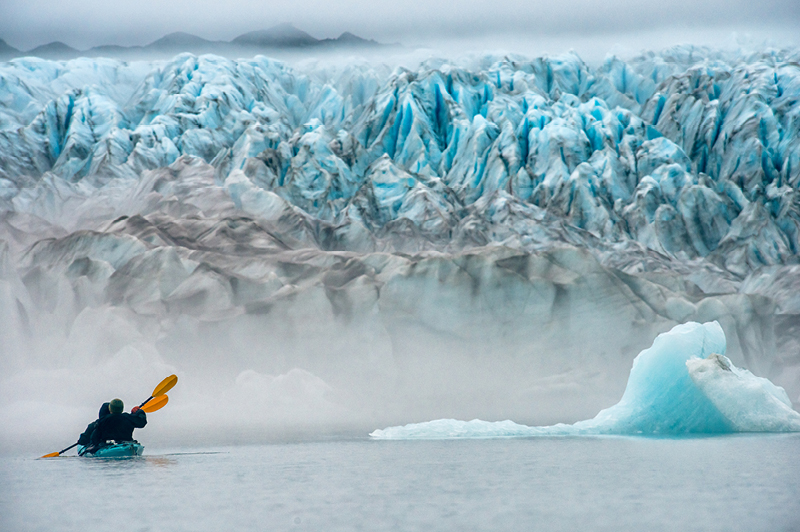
(359, 245)
(682, 384)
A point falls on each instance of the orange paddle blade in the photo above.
(59, 453)
(165, 386)
(156, 404)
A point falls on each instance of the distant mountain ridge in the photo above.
(178, 38)
(53, 48)
(7, 48)
(279, 37)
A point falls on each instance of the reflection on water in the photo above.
(128, 463)
(160, 461)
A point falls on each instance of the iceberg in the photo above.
(682, 384)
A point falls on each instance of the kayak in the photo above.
(113, 450)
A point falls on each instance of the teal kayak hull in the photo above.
(116, 450)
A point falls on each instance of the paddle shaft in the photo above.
(68, 448)
(59, 453)
(148, 400)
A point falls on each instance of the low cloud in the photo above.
(83, 24)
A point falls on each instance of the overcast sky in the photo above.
(85, 23)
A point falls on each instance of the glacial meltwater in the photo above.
(724, 483)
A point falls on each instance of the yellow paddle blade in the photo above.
(51, 455)
(156, 404)
(165, 386)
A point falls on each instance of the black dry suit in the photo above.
(117, 427)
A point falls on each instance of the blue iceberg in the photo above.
(682, 384)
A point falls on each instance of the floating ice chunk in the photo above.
(680, 385)
(445, 429)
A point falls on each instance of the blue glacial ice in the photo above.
(689, 153)
(682, 384)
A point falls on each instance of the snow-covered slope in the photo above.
(465, 238)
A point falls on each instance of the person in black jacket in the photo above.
(112, 424)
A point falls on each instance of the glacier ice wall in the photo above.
(359, 246)
(682, 384)
(688, 153)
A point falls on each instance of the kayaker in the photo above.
(112, 424)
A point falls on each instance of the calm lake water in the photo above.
(748, 483)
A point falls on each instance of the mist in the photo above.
(326, 354)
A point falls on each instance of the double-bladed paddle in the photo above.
(162, 388)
